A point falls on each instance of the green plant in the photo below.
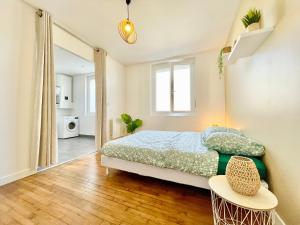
(221, 59)
(131, 125)
(252, 16)
(220, 62)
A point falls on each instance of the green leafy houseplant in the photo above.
(132, 125)
(252, 16)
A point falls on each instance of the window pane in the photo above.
(162, 90)
(182, 88)
(92, 95)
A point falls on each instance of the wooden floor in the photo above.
(79, 193)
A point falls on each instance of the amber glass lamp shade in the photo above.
(127, 31)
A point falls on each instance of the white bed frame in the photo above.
(156, 172)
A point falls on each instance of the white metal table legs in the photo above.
(226, 213)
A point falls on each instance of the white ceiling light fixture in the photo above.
(127, 29)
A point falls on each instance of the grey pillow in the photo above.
(210, 130)
(232, 143)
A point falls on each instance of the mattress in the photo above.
(182, 151)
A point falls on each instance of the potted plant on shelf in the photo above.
(221, 59)
(131, 124)
(251, 20)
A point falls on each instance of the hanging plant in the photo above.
(221, 59)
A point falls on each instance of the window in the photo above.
(163, 90)
(172, 87)
(90, 94)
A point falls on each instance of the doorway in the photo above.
(75, 105)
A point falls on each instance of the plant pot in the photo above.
(253, 27)
(226, 49)
(242, 175)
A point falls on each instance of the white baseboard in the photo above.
(278, 220)
(16, 176)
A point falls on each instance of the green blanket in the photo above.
(223, 160)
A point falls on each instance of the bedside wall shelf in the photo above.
(248, 42)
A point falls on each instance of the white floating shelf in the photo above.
(248, 42)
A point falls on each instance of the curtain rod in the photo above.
(61, 27)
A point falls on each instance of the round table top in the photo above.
(263, 200)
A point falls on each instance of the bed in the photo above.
(174, 156)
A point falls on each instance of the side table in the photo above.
(233, 208)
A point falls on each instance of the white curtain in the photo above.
(100, 78)
(44, 132)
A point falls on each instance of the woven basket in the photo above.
(242, 175)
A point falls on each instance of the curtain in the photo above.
(100, 78)
(44, 134)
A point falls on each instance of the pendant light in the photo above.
(127, 29)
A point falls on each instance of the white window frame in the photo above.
(87, 96)
(171, 64)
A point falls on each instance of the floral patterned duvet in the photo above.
(182, 151)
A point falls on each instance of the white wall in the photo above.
(17, 44)
(262, 98)
(115, 85)
(64, 112)
(63, 39)
(209, 96)
(86, 121)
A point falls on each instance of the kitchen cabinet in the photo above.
(64, 91)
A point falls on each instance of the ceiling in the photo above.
(68, 63)
(165, 28)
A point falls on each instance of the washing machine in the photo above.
(67, 127)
